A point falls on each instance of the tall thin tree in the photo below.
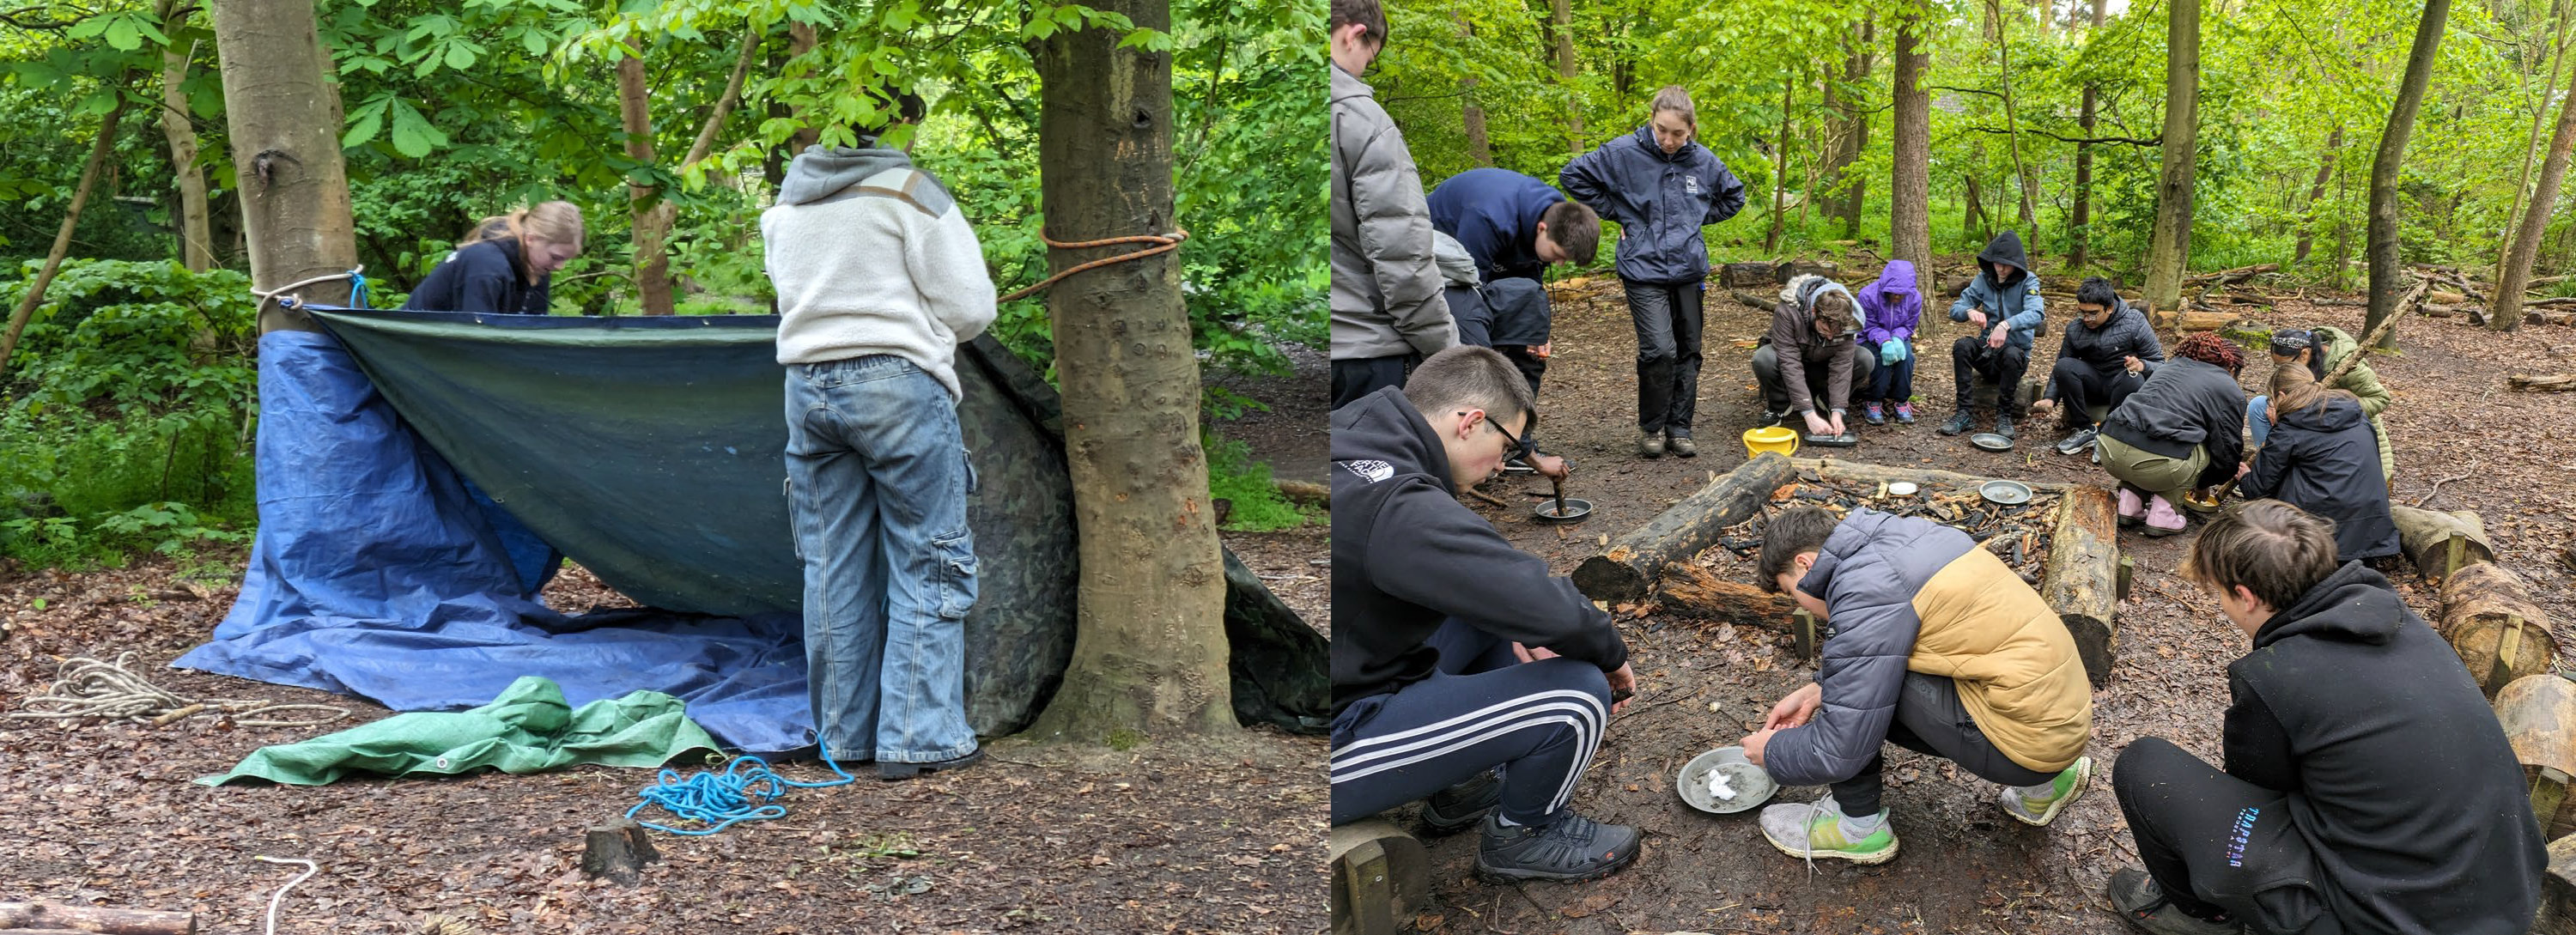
(2169, 254)
(2382, 236)
(1910, 186)
(2079, 227)
(2506, 311)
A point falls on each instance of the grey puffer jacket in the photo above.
(1386, 287)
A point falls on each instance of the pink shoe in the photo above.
(2162, 518)
(2131, 510)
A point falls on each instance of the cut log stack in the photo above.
(56, 918)
(2500, 633)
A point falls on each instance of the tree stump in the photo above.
(2500, 633)
(618, 850)
(2539, 717)
(2082, 580)
(60, 917)
(2440, 543)
(1380, 874)
(1747, 274)
(1627, 570)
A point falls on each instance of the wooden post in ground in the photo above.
(617, 849)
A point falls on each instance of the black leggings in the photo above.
(2217, 843)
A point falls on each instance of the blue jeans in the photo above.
(2255, 418)
(877, 482)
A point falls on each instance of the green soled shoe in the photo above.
(1815, 830)
(2040, 811)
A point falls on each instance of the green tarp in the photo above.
(529, 729)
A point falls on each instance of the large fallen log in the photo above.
(62, 917)
(2539, 717)
(2082, 578)
(2239, 274)
(1927, 477)
(1627, 570)
(2500, 632)
(1693, 591)
(2440, 543)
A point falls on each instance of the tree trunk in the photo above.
(1910, 186)
(2317, 192)
(2077, 228)
(652, 220)
(801, 38)
(1780, 170)
(283, 112)
(1852, 138)
(1150, 655)
(2516, 274)
(2385, 264)
(1480, 146)
(98, 153)
(2539, 117)
(1972, 219)
(2170, 253)
(196, 239)
(2026, 178)
(1565, 72)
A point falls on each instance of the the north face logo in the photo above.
(1371, 471)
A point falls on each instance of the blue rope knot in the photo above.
(357, 289)
(747, 790)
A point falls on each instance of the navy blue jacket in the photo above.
(1660, 201)
(1494, 213)
(2325, 459)
(2017, 301)
(485, 278)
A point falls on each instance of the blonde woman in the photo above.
(505, 265)
(2320, 455)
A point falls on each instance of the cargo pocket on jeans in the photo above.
(956, 556)
(972, 482)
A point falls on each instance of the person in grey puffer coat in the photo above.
(1816, 321)
(1661, 188)
(1387, 309)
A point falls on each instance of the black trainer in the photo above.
(2004, 427)
(2079, 440)
(890, 771)
(1679, 443)
(1573, 848)
(1461, 806)
(2146, 906)
(1961, 422)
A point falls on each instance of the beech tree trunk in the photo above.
(2516, 274)
(35, 296)
(2385, 265)
(1910, 185)
(284, 117)
(196, 237)
(1480, 146)
(1852, 139)
(2170, 251)
(651, 215)
(1150, 655)
(2317, 192)
(1780, 170)
(801, 38)
(1565, 73)
(2025, 177)
(2077, 227)
(2539, 118)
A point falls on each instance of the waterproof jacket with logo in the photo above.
(1386, 292)
(1407, 556)
(2126, 333)
(2397, 773)
(1891, 307)
(1494, 213)
(2186, 403)
(1906, 594)
(2323, 459)
(1659, 200)
(1793, 337)
(2017, 300)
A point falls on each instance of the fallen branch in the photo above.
(2437, 486)
(2554, 383)
(2239, 274)
(2372, 339)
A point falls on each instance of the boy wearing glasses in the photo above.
(1453, 652)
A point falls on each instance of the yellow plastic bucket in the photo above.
(1775, 438)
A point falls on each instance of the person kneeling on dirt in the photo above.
(1890, 308)
(2321, 458)
(2182, 430)
(2004, 304)
(1817, 322)
(2108, 352)
(2321, 350)
(1935, 646)
(1455, 653)
(2368, 786)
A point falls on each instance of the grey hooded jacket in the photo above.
(1386, 288)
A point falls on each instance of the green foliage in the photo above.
(1234, 476)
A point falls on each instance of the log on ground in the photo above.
(2082, 580)
(2205, 321)
(2558, 891)
(2542, 383)
(1927, 477)
(1692, 591)
(1626, 571)
(2426, 536)
(617, 849)
(2500, 632)
(2539, 717)
(62, 917)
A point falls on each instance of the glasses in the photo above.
(1519, 449)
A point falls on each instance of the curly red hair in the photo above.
(2209, 348)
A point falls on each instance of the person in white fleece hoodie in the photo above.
(879, 278)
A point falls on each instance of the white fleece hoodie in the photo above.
(871, 256)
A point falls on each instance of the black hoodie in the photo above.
(2397, 773)
(485, 277)
(2185, 403)
(1407, 556)
(2325, 459)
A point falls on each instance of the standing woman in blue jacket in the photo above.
(506, 266)
(1661, 188)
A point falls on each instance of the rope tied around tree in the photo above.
(284, 298)
(1164, 243)
(88, 687)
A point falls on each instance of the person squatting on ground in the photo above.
(1817, 322)
(2004, 305)
(1891, 309)
(2368, 787)
(2322, 458)
(2182, 430)
(1453, 652)
(1935, 646)
(2321, 350)
(2108, 351)
(879, 278)
(1506, 309)
(1386, 309)
(1661, 188)
(506, 266)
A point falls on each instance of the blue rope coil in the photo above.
(746, 790)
